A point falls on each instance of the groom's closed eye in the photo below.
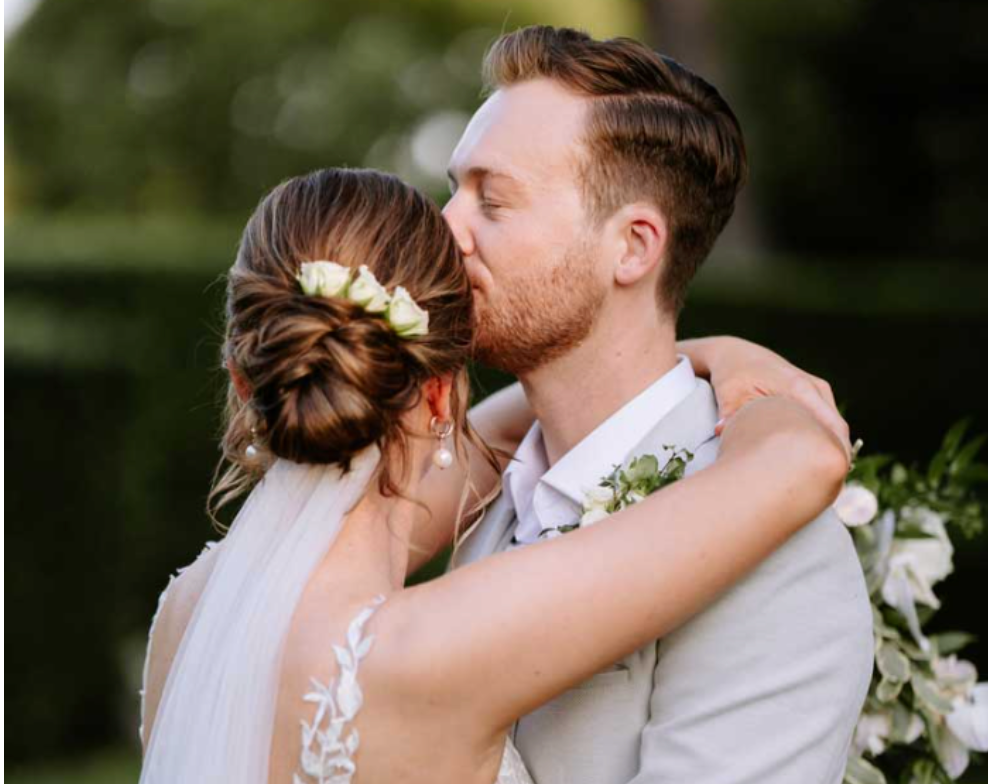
(488, 204)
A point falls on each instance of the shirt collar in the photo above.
(608, 445)
(528, 466)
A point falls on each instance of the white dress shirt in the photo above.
(545, 497)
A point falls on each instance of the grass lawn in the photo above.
(112, 766)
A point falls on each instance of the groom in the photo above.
(587, 190)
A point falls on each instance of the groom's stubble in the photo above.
(542, 315)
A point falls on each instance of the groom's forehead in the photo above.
(521, 132)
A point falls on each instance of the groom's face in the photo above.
(518, 215)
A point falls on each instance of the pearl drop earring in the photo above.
(252, 451)
(442, 458)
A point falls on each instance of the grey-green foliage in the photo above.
(202, 105)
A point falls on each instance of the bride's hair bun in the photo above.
(326, 378)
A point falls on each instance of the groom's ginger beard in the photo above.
(539, 315)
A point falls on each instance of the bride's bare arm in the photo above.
(738, 371)
(495, 639)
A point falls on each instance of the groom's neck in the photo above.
(574, 394)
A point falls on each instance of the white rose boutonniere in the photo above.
(324, 278)
(368, 293)
(625, 486)
(405, 316)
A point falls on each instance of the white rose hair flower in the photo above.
(405, 316)
(368, 293)
(330, 279)
(324, 278)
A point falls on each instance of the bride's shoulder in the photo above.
(175, 607)
(180, 597)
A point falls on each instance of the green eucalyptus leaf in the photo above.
(930, 695)
(910, 531)
(951, 642)
(901, 720)
(954, 436)
(924, 771)
(888, 691)
(648, 464)
(860, 771)
(913, 651)
(892, 663)
(967, 454)
(937, 466)
(972, 474)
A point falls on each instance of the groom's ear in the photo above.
(643, 235)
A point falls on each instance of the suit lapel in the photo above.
(688, 426)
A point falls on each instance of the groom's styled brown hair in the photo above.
(655, 132)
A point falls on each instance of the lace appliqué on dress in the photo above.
(327, 753)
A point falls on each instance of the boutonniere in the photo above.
(626, 486)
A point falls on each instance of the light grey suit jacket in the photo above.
(762, 687)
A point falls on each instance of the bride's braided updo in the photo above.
(326, 378)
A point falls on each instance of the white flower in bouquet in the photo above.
(926, 520)
(872, 733)
(405, 316)
(324, 278)
(926, 711)
(875, 730)
(968, 721)
(856, 505)
(917, 565)
(368, 293)
(956, 677)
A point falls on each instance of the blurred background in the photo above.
(139, 134)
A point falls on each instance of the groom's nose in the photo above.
(452, 212)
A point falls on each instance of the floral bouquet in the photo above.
(926, 712)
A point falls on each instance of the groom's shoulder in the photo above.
(823, 548)
(817, 562)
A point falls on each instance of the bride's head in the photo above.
(318, 379)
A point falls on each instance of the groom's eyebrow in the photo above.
(483, 173)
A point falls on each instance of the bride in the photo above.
(291, 651)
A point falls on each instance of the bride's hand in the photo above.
(741, 371)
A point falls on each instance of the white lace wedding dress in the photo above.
(216, 714)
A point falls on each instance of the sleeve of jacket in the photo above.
(765, 686)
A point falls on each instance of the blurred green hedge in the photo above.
(112, 337)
